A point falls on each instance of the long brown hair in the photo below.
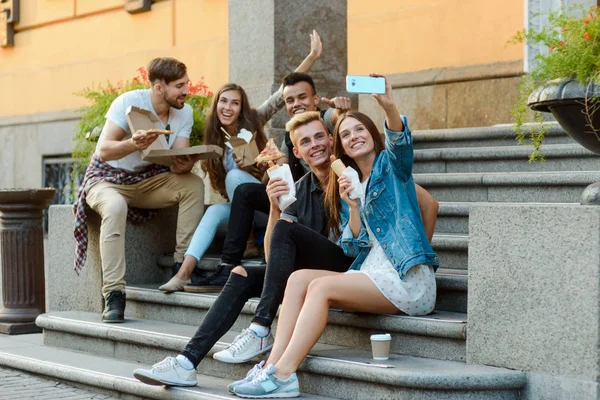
(332, 195)
(248, 119)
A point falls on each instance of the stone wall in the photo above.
(27, 139)
(454, 97)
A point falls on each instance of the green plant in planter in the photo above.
(100, 99)
(572, 37)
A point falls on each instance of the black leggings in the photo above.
(247, 198)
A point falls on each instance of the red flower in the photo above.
(562, 28)
(586, 35)
(143, 73)
(552, 48)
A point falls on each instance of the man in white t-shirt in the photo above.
(139, 184)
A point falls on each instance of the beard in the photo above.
(173, 102)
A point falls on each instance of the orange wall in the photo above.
(62, 46)
(395, 36)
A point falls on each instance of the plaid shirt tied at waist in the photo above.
(96, 171)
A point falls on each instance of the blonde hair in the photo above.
(300, 120)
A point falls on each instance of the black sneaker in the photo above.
(114, 307)
(213, 283)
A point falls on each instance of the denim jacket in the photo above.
(391, 209)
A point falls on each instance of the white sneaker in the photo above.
(167, 372)
(245, 346)
(253, 373)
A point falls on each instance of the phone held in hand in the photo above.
(365, 84)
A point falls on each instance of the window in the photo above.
(57, 174)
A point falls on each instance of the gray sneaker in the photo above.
(251, 375)
(244, 347)
(167, 372)
(267, 385)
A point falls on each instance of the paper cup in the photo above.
(380, 345)
(338, 167)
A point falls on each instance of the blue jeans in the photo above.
(216, 215)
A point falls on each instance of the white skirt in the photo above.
(413, 295)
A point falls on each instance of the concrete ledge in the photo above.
(143, 245)
(67, 115)
(436, 76)
(534, 289)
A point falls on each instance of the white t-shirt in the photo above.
(180, 122)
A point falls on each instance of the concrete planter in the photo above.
(566, 100)
(575, 109)
(22, 257)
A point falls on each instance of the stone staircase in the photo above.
(460, 167)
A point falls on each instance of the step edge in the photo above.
(422, 326)
(488, 380)
(90, 378)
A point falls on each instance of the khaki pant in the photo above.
(111, 202)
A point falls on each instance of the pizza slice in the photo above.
(270, 153)
(159, 131)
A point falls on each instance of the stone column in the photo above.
(22, 251)
(269, 39)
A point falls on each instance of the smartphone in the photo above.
(365, 84)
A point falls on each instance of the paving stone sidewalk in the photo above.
(19, 385)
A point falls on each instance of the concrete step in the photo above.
(447, 296)
(329, 370)
(109, 374)
(559, 157)
(513, 187)
(439, 335)
(452, 248)
(497, 135)
(452, 290)
(453, 217)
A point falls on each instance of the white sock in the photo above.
(261, 331)
(184, 362)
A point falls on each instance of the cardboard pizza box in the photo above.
(163, 157)
(244, 147)
(159, 152)
(138, 118)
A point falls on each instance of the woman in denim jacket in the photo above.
(394, 266)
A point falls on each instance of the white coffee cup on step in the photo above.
(380, 345)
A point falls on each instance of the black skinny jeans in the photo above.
(293, 247)
(247, 198)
